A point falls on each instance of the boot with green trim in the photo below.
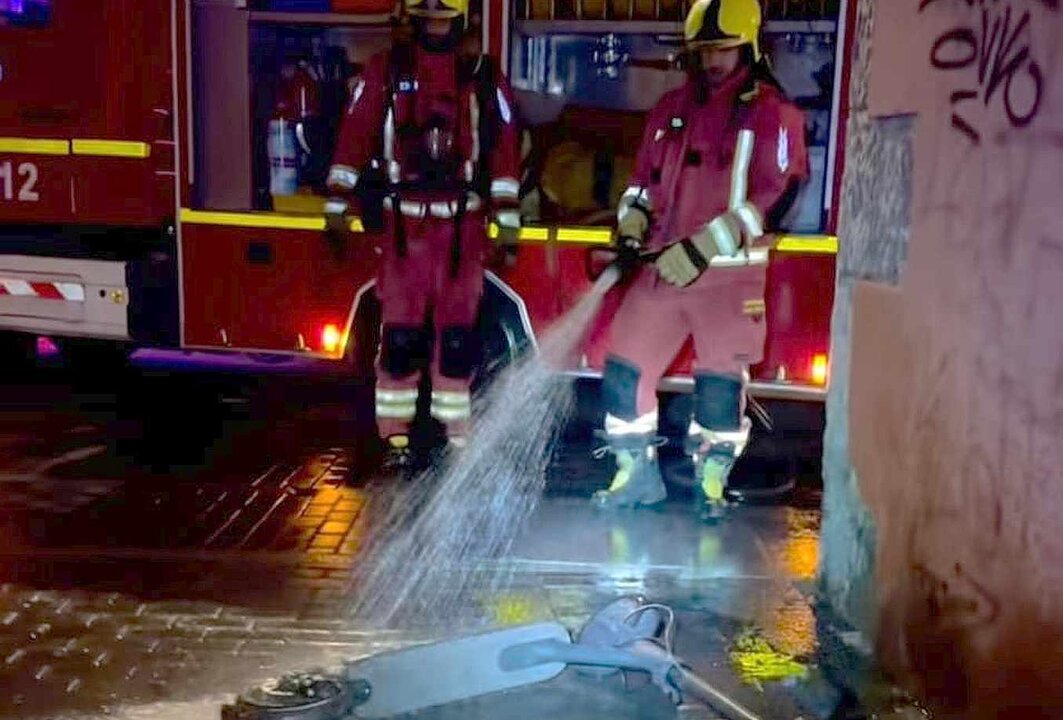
(637, 482)
(712, 467)
(398, 454)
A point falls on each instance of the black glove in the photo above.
(628, 254)
(337, 226)
(373, 188)
(509, 222)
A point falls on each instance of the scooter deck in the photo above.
(417, 678)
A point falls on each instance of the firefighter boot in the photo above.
(449, 451)
(637, 481)
(712, 467)
(398, 455)
(717, 437)
(714, 454)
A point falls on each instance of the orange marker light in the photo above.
(331, 338)
(819, 368)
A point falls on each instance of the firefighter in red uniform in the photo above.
(722, 158)
(431, 149)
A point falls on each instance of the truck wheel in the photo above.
(18, 352)
(92, 361)
(360, 361)
(362, 348)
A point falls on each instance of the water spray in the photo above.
(434, 546)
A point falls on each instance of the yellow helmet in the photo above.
(441, 9)
(724, 24)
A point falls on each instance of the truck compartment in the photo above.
(87, 112)
(583, 86)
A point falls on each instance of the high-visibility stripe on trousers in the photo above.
(451, 406)
(396, 404)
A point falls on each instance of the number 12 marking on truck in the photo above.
(27, 174)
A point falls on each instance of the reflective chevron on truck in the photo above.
(70, 292)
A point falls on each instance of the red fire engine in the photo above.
(159, 161)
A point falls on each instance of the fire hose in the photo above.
(626, 261)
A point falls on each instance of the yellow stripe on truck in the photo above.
(821, 244)
(268, 220)
(253, 220)
(586, 235)
(527, 233)
(796, 244)
(81, 146)
(33, 146)
(111, 148)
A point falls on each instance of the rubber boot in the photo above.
(712, 467)
(637, 481)
(447, 452)
(398, 455)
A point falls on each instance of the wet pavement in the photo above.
(173, 535)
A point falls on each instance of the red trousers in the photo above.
(723, 311)
(429, 305)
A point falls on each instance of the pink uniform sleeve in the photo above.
(780, 157)
(644, 159)
(361, 128)
(505, 158)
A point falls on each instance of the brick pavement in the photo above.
(164, 589)
(84, 651)
(285, 507)
(170, 592)
(122, 585)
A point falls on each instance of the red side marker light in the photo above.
(331, 338)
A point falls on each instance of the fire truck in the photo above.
(151, 195)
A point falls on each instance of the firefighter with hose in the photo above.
(430, 149)
(721, 161)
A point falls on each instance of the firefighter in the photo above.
(430, 148)
(721, 160)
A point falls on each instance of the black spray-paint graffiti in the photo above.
(1000, 50)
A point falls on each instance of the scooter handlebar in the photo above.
(694, 686)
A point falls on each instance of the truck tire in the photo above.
(95, 362)
(18, 352)
(362, 348)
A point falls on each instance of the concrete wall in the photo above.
(873, 222)
(953, 385)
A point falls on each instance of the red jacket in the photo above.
(690, 163)
(368, 132)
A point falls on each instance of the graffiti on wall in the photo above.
(996, 45)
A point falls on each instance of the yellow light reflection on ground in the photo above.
(801, 556)
(792, 628)
(517, 609)
(757, 662)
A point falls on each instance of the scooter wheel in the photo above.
(300, 696)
